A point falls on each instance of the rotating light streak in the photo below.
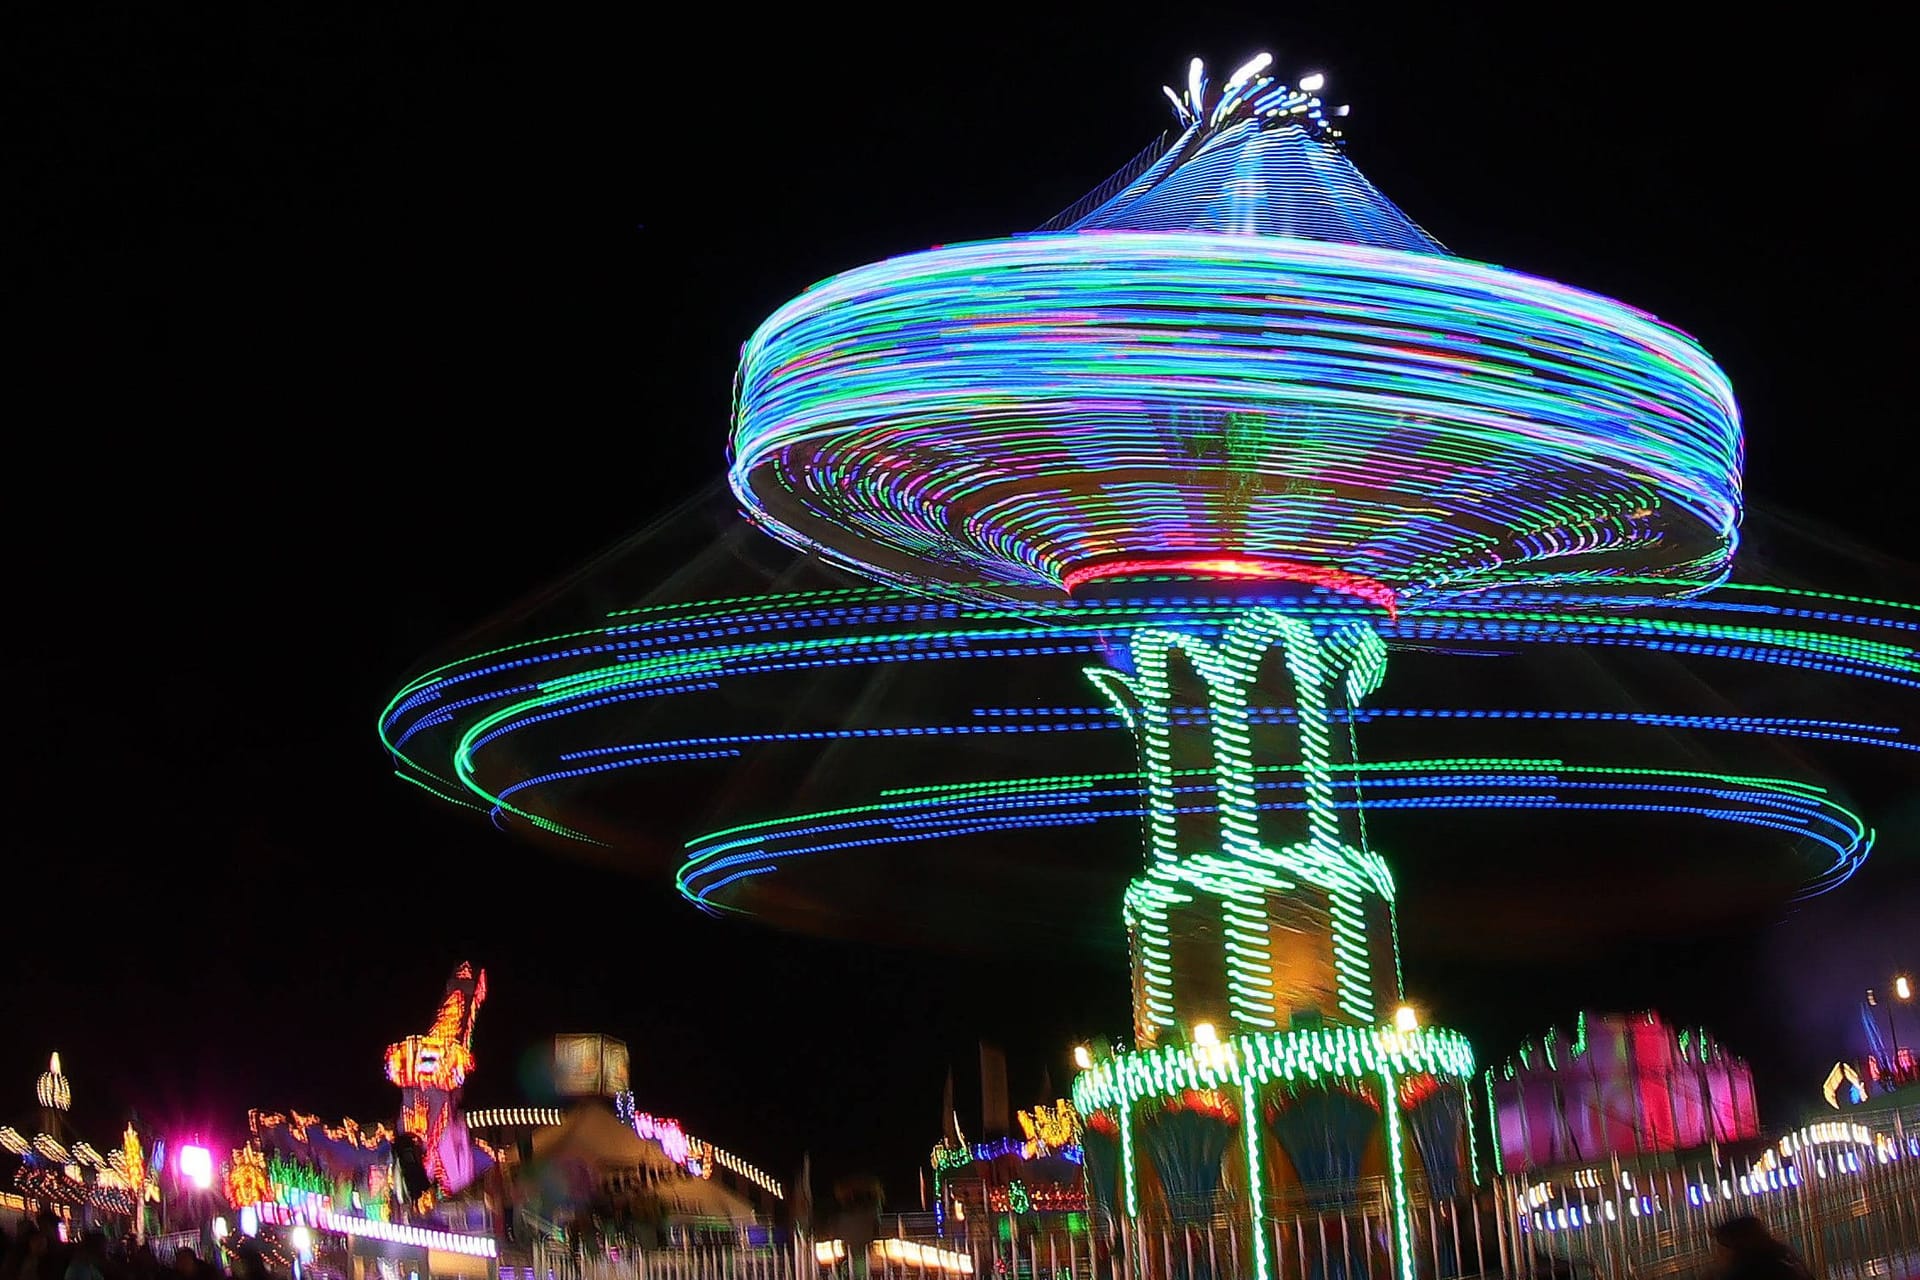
(444, 726)
(1020, 413)
(1015, 720)
(431, 699)
(912, 815)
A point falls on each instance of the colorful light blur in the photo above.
(509, 731)
(1019, 413)
(431, 1069)
(1231, 403)
(196, 1166)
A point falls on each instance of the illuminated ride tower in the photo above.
(1238, 367)
(431, 1069)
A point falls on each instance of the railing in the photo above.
(1849, 1211)
(165, 1246)
(1846, 1211)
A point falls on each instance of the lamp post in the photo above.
(1902, 994)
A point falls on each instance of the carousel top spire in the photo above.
(1255, 155)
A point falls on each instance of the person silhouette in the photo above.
(1746, 1250)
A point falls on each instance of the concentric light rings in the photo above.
(1010, 411)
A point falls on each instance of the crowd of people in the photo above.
(37, 1249)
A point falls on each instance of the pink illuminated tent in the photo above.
(1624, 1084)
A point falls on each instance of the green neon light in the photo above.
(1397, 1177)
(438, 794)
(895, 800)
(1266, 1056)
(1473, 1146)
(1245, 872)
(1256, 1192)
(1493, 1129)
(1253, 1060)
(1562, 616)
(1017, 1199)
(1447, 764)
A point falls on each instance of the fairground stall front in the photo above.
(358, 1202)
(117, 1190)
(599, 1177)
(1028, 1184)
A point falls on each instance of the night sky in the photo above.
(345, 331)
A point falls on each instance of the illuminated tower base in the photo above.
(1271, 1069)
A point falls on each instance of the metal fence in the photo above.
(1851, 1210)
(1848, 1211)
(165, 1246)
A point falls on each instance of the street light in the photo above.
(196, 1166)
(1902, 992)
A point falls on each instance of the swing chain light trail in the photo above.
(686, 651)
(719, 858)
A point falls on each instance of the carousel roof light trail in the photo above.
(1235, 377)
(1410, 421)
(1243, 357)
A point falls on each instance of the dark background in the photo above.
(342, 330)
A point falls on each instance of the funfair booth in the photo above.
(1623, 1085)
(354, 1202)
(600, 1176)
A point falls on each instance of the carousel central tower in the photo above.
(1244, 920)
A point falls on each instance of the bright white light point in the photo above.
(1313, 83)
(1082, 1057)
(1405, 1019)
(196, 1166)
(1196, 82)
(1249, 71)
(1342, 110)
(1204, 1034)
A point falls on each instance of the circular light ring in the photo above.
(721, 862)
(1122, 1079)
(1231, 569)
(996, 417)
(671, 649)
(526, 731)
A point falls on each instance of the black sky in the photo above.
(342, 330)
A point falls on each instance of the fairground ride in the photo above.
(1210, 446)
